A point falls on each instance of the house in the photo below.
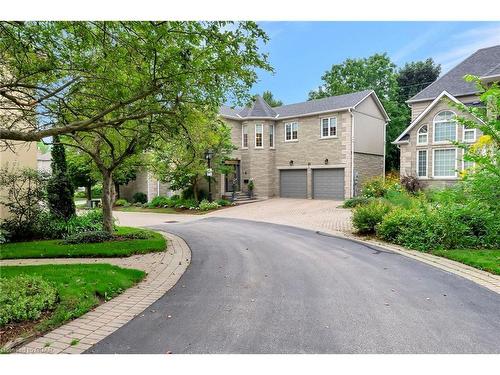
(319, 149)
(17, 156)
(426, 145)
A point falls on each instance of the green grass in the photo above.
(81, 287)
(486, 260)
(57, 249)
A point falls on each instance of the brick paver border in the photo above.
(163, 269)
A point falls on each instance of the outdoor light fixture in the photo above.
(208, 156)
(291, 163)
(326, 161)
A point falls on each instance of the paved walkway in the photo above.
(163, 271)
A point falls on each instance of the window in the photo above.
(445, 127)
(244, 136)
(445, 163)
(422, 163)
(271, 136)
(291, 131)
(422, 135)
(469, 135)
(258, 135)
(467, 164)
(328, 127)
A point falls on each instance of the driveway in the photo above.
(256, 287)
(323, 215)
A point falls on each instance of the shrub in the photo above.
(96, 191)
(139, 197)
(139, 235)
(356, 201)
(186, 203)
(377, 187)
(160, 201)
(411, 184)
(408, 227)
(365, 218)
(25, 298)
(88, 237)
(80, 194)
(224, 202)
(24, 197)
(121, 202)
(4, 236)
(206, 205)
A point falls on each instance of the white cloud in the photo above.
(466, 43)
(415, 44)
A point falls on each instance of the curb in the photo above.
(483, 278)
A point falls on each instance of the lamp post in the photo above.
(208, 156)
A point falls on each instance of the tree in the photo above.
(271, 100)
(181, 160)
(416, 76)
(80, 171)
(64, 77)
(112, 87)
(60, 191)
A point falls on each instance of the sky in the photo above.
(300, 52)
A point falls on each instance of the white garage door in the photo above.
(328, 184)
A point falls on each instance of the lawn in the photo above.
(486, 260)
(57, 249)
(81, 287)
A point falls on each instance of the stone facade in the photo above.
(366, 166)
(409, 150)
(310, 151)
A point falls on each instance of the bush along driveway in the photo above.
(57, 289)
(452, 223)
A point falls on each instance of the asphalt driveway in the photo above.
(256, 287)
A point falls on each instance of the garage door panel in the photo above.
(328, 184)
(293, 183)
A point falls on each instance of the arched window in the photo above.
(445, 127)
(422, 135)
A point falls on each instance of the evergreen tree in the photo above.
(60, 191)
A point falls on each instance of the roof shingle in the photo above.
(480, 63)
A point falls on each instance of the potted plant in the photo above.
(250, 186)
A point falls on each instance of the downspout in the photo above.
(147, 181)
(158, 188)
(352, 152)
(385, 146)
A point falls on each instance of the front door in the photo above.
(233, 176)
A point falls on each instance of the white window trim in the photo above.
(273, 146)
(243, 138)
(262, 135)
(426, 164)
(426, 136)
(434, 128)
(291, 131)
(434, 164)
(470, 130)
(321, 127)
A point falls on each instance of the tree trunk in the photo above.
(107, 201)
(117, 190)
(195, 189)
(88, 193)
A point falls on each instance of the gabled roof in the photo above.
(403, 138)
(260, 109)
(480, 63)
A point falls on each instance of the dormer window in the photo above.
(445, 127)
(423, 135)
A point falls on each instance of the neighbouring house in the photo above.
(44, 161)
(319, 149)
(426, 145)
(19, 155)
